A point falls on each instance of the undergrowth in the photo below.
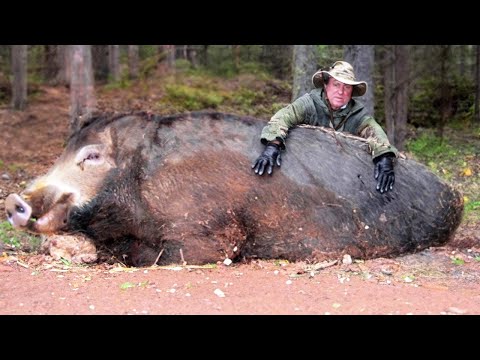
(454, 158)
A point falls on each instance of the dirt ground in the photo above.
(436, 281)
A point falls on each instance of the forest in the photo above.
(421, 86)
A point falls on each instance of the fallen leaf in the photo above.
(467, 172)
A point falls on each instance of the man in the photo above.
(330, 104)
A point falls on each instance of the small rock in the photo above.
(347, 259)
(227, 261)
(219, 293)
(5, 176)
(387, 271)
(455, 310)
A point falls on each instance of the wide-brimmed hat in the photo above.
(343, 72)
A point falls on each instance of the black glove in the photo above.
(384, 172)
(268, 157)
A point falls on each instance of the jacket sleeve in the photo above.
(293, 114)
(378, 142)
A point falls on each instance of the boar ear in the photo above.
(90, 154)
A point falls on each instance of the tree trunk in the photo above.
(63, 61)
(100, 62)
(388, 93)
(401, 95)
(205, 55)
(133, 61)
(192, 55)
(303, 67)
(396, 81)
(278, 58)
(477, 84)
(82, 92)
(472, 69)
(445, 100)
(170, 56)
(56, 71)
(51, 66)
(462, 61)
(166, 58)
(114, 62)
(362, 58)
(236, 57)
(19, 71)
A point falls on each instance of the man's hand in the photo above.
(270, 155)
(384, 172)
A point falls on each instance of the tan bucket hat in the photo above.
(343, 72)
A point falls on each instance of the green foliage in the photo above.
(453, 158)
(255, 68)
(35, 58)
(281, 262)
(147, 51)
(422, 112)
(428, 147)
(17, 239)
(472, 206)
(65, 261)
(14, 167)
(123, 83)
(426, 100)
(188, 98)
(219, 61)
(148, 65)
(5, 88)
(328, 54)
(8, 236)
(183, 65)
(127, 285)
(458, 261)
(246, 98)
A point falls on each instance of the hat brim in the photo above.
(359, 87)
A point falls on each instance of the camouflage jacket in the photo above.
(312, 109)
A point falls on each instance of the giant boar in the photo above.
(181, 188)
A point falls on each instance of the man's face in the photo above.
(338, 93)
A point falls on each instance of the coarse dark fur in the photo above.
(182, 189)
